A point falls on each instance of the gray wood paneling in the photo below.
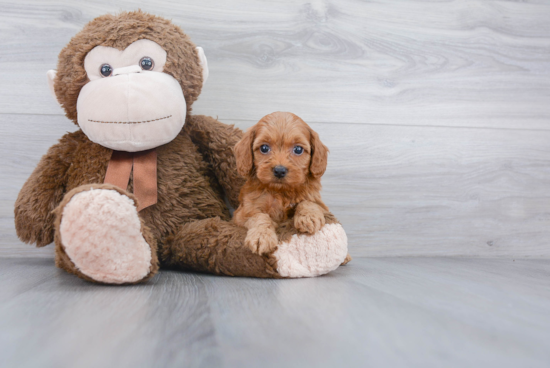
(460, 63)
(398, 312)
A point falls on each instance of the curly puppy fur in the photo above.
(283, 181)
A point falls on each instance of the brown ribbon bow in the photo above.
(145, 174)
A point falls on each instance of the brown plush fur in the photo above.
(189, 226)
(267, 200)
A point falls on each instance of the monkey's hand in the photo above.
(347, 260)
(42, 192)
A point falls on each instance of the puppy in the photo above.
(283, 160)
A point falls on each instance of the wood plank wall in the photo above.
(436, 112)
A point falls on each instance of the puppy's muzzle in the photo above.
(280, 171)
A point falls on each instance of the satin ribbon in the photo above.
(144, 164)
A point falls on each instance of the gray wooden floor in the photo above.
(383, 312)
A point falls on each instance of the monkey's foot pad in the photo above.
(313, 255)
(101, 233)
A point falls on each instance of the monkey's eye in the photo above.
(264, 148)
(106, 70)
(146, 63)
(298, 150)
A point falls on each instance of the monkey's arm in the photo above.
(41, 193)
(215, 141)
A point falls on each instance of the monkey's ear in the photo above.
(243, 153)
(204, 64)
(51, 79)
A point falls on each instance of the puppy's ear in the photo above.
(319, 156)
(243, 152)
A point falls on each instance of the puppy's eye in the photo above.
(146, 63)
(298, 150)
(106, 70)
(264, 148)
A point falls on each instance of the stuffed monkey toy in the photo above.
(143, 183)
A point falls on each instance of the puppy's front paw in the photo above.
(309, 223)
(261, 241)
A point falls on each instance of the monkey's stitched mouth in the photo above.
(128, 122)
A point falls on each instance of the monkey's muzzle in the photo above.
(133, 110)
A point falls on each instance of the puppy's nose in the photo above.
(280, 171)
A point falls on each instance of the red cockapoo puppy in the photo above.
(283, 160)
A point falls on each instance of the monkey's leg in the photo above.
(217, 246)
(100, 237)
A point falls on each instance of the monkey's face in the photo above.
(129, 104)
(129, 80)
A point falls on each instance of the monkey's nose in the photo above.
(127, 70)
(280, 171)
